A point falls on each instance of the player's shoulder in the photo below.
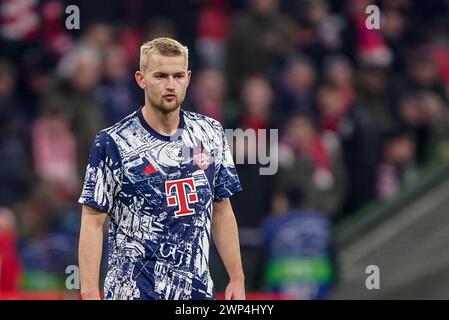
(120, 125)
(197, 119)
(107, 137)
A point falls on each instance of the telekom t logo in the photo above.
(184, 194)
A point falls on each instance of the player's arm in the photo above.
(225, 234)
(90, 250)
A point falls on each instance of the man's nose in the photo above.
(170, 84)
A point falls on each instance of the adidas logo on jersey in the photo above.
(149, 169)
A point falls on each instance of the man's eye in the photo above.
(179, 76)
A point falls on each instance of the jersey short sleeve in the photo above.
(102, 182)
(227, 182)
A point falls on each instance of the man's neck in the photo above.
(164, 123)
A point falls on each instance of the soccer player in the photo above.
(163, 176)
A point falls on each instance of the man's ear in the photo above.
(140, 79)
(189, 75)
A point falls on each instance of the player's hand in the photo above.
(90, 295)
(235, 290)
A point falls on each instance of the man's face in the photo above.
(165, 81)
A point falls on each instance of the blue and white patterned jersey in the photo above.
(158, 192)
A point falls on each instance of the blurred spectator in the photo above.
(74, 94)
(424, 74)
(374, 95)
(54, 153)
(420, 113)
(258, 37)
(16, 170)
(394, 27)
(49, 228)
(36, 215)
(118, 90)
(208, 96)
(320, 30)
(19, 20)
(46, 258)
(296, 91)
(340, 114)
(439, 142)
(258, 114)
(439, 50)
(99, 35)
(297, 247)
(130, 39)
(258, 109)
(56, 37)
(397, 166)
(10, 266)
(339, 72)
(312, 163)
(213, 26)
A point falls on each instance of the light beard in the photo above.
(163, 107)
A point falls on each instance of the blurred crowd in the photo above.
(359, 110)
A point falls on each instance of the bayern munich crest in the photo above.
(202, 158)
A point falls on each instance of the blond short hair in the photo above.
(164, 46)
